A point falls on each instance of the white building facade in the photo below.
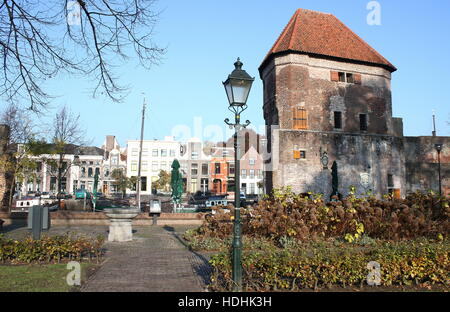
(156, 155)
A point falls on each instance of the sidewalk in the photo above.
(156, 260)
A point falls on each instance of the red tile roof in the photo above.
(322, 34)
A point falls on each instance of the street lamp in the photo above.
(237, 87)
(438, 147)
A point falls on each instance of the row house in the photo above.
(157, 155)
(78, 170)
(195, 164)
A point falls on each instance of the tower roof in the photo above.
(323, 35)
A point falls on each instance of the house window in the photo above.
(172, 153)
(341, 77)
(251, 161)
(163, 153)
(194, 155)
(363, 122)
(155, 153)
(194, 169)
(217, 168)
(143, 183)
(231, 168)
(259, 171)
(300, 118)
(163, 165)
(134, 165)
(252, 173)
(144, 166)
(252, 188)
(204, 169)
(115, 160)
(145, 152)
(244, 173)
(134, 152)
(338, 120)
(154, 166)
(90, 172)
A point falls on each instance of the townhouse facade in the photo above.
(156, 155)
(195, 166)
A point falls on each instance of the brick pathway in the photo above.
(156, 260)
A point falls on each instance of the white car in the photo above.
(45, 195)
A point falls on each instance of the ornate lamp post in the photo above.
(438, 147)
(237, 87)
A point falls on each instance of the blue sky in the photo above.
(205, 37)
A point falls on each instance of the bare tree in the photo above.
(38, 39)
(66, 131)
(21, 126)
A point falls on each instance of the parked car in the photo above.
(82, 193)
(100, 195)
(64, 195)
(45, 195)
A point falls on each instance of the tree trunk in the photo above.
(59, 180)
(11, 192)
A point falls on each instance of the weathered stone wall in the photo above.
(422, 163)
(372, 155)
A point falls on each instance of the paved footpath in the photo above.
(156, 260)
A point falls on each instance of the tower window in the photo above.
(338, 120)
(350, 78)
(300, 118)
(363, 122)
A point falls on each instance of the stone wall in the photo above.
(357, 157)
(422, 164)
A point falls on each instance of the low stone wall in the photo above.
(99, 218)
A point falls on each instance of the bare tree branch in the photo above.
(37, 43)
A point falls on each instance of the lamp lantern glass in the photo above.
(237, 86)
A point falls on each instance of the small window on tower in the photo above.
(338, 120)
(300, 119)
(299, 154)
(350, 78)
(363, 122)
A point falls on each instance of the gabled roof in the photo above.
(323, 35)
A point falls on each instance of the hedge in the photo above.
(324, 265)
(50, 249)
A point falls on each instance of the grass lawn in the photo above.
(40, 278)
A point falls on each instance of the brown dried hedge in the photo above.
(286, 214)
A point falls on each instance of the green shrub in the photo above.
(418, 262)
(50, 249)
